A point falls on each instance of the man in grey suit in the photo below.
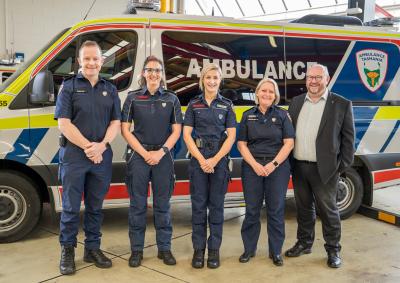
(324, 148)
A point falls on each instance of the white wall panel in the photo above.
(30, 24)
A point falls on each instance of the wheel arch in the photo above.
(38, 180)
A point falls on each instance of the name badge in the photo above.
(222, 106)
(252, 118)
(81, 91)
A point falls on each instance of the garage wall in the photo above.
(27, 25)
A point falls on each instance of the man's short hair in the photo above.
(89, 43)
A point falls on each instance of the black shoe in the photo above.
(135, 259)
(245, 257)
(67, 261)
(97, 257)
(334, 260)
(167, 257)
(198, 259)
(213, 259)
(276, 259)
(297, 250)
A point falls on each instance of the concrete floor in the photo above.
(371, 253)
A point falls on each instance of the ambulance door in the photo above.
(123, 52)
(246, 54)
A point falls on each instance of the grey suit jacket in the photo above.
(335, 138)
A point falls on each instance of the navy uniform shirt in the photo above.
(90, 109)
(152, 115)
(210, 122)
(264, 134)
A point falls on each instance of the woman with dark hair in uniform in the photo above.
(266, 137)
(211, 120)
(156, 116)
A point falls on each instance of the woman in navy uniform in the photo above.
(211, 120)
(157, 119)
(266, 137)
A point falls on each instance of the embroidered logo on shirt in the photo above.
(104, 93)
(273, 119)
(164, 104)
(220, 116)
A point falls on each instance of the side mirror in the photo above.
(42, 88)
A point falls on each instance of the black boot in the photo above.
(198, 259)
(97, 257)
(167, 257)
(67, 262)
(135, 259)
(213, 259)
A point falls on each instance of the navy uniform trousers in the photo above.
(273, 189)
(82, 176)
(162, 179)
(208, 191)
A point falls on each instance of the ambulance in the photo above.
(363, 63)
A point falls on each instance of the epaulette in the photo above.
(227, 100)
(169, 91)
(249, 110)
(196, 98)
(67, 78)
(135, 91)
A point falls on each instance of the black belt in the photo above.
(263, 158)
(306, 161)
(201, 143)
(152, 147)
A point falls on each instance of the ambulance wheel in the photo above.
(20, 206)
(350, 193)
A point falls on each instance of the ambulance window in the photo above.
(244, 59)
(119, 52)
(63, 65)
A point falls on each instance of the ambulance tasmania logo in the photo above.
(372, 67)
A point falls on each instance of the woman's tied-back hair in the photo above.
(142, 79)
(206, 68)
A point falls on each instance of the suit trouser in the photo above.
(93, 181)
(162, 178)
(309, 192)
(207, 190)
(273, 189)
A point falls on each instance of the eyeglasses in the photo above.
(316, 78)
(153, 70)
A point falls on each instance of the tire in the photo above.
(350, 193)
(20, 206)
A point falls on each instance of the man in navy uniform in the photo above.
(88, 110)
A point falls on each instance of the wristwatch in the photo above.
(165, 149)
(107, 144)
(276, 164)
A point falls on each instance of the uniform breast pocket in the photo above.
(81, 101)
(220, 116)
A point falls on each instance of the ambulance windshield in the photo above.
(28, 63)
